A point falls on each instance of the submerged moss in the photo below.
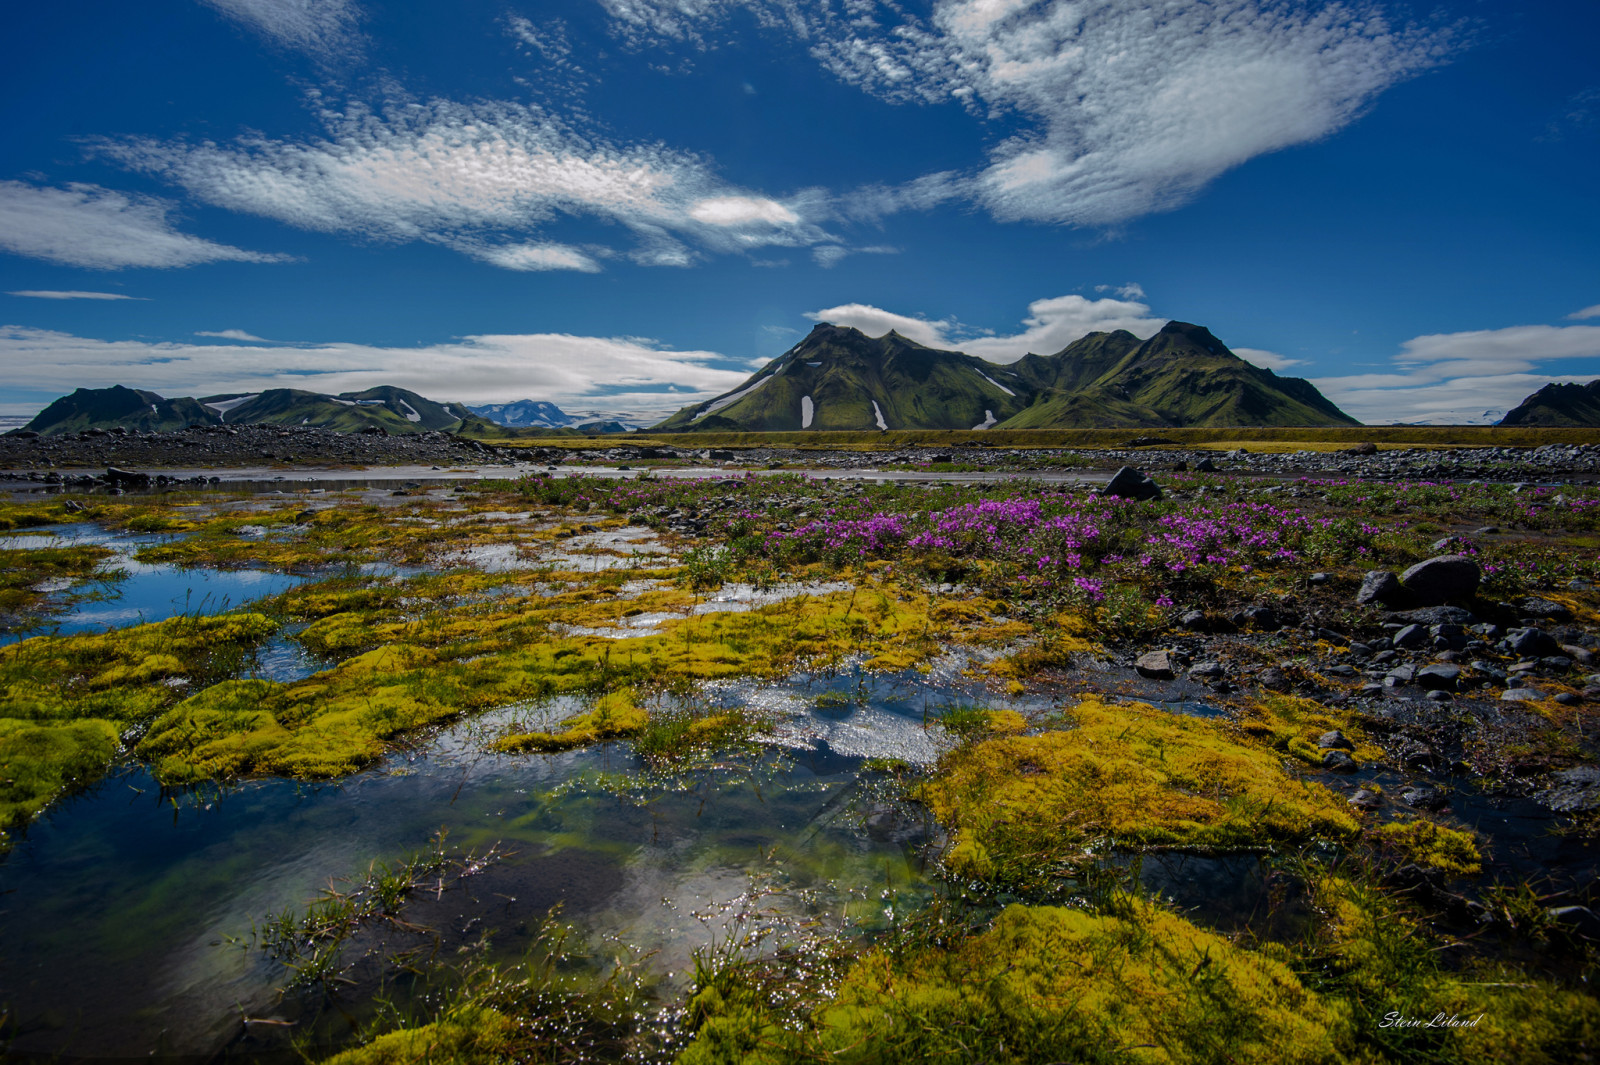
(40, 761)
(1128, 774)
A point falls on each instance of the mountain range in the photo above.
(537, 414)
(840, 378)
(394, 410)
(1558, 405)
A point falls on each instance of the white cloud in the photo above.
(1270, 360)
(72, 294)
(320, 27)
(617, 373)
(1444, 377)
(1587, 312)
(232, 334)
(1125, 107)
(1051, 325)
(100, 228)
(476, 178)
(538, 257)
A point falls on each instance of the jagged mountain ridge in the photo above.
(1558, 405)
(525, 413)
(839, 378)
(395, 410)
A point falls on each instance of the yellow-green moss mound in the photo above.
(1048, 984)
(613, 717)
(471, 1037)
(1128, 774)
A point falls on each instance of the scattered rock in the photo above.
(1339, 762)
(1579, 921)
(1441, 676)
(1380, 586)
(1531, 643)
(1411, 637)
(1156, 665)
(1206, 670)
(1335, 740)
(1364, 448)
(1423, 797)
(1275, 679)
(1521, 695)
(1441, 579)
(1364, 799)
(1576, 790)
(1129, 483)
(1545, 609)
(1205, 466)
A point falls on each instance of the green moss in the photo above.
(471, 1036)
(613, 717)
(1128, 774)
(1046, 984)
(1431, 845)
(1372, 954)
(1291, 724)
(39, 761)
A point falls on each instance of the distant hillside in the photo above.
(394, 410)
(839, 378)
(526, 413)
(1565, 405)
(118, 407)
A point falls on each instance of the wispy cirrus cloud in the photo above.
(1120, 108)
(71, 294)
(1051, 324)
(621, 373)
(486, 179)
(232, 334)
(1587, 312)
(319, 27)
(102, 229)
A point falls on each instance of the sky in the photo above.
(631, 205)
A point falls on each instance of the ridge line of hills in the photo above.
(840, 378)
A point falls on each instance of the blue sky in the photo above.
(629, 205)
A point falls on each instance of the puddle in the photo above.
(151, 591)
(127, 913)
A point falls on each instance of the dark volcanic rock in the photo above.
(1129, 483)
(1441, 579)
(1380, 586)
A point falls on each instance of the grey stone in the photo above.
(1579, 921)
(1403, 674)
(1441, 676)
(1533, 643)
(1193, 619)
(1156, 665)
(1423, 797)
(1439, 695)
(1335, 740)
(1568, 698)
(1544, 609)
(1364, 799)
(1380, 586)
(1260, 616)
(1274, 679)
(1411, 637)
(1521, 695)
(1441, 579)
(1206, 669)
(1437, 615)
(1129, 483)
(1339, 762)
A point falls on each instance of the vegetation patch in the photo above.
(1424, 843)
(1127, 775)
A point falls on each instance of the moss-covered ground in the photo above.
(1047, 946)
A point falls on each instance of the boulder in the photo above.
(1334, 740)
(1532, 643)
(1380, 586)
(1441, 579)
(1441, 676)
(1339, 762)
(1156, 665)
(127, 478)
(1129, 483)
(1545, 609)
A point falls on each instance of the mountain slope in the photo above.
(1181, 376)
(118, 407)
(839, 378)
(394, 410)
(524, 413)
(1574, 405)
